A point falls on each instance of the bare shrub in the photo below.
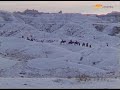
(83, 77)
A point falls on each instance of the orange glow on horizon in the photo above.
(98, 6)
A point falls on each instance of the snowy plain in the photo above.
(55, 83)
(32, 54)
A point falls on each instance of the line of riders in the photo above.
(62, 41)
(75, 43)
(31, 39)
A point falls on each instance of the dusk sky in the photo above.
(65, 6)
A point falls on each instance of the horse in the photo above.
(63, 41)
(70, 42)
(90, 46)
(76, 42)
(42, 41)
(86, 44)
(107, 44)
(22, 36)
(83, 44)
(28, 38)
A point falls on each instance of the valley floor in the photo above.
(56, 83)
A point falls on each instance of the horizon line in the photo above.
(58, 12)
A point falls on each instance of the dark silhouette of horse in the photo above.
(94, 63)
(22, 36)
(86, 44)
(79, 43)
(63, 41)
(70, 42)
(28, 38)
(83, 44)
(31, 39)
(76, 43)
(90, 46)
(42, 41)
(107, 44)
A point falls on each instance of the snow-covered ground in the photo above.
(58, 45)
(57, 83)
(6, 63)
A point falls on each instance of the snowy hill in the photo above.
(111, 17)
(58, 45)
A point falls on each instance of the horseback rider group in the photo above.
(75, 43)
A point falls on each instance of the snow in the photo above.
(57, 83)
(6, 63)
(30, 47)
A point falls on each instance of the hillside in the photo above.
(58, 45)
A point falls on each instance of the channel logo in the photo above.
(102, 6)
(98, 6)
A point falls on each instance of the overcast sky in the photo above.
(65, 6)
